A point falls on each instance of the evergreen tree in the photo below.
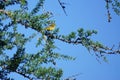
(33, 65)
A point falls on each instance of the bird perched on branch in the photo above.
(50, 27)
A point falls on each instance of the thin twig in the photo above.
(62, 6)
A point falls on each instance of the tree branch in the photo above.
(75, 41)
(24, 75)
(62, 6)
(108, 11)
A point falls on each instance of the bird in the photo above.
(51, 27)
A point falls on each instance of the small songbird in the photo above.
(50, 27)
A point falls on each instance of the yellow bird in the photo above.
(50, 27)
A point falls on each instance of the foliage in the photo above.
(36, 65)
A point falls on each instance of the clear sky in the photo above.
(88, 15)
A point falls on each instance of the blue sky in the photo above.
(88, 15)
